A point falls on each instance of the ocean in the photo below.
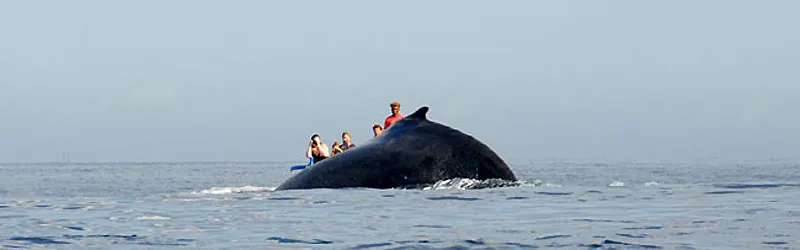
(558, 204)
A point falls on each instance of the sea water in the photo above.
(558, 204)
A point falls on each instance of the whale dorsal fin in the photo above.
(420, 114)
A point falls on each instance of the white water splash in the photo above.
(229, 190)
(466, 183)
(617, 184)
(538, 183)
(651, 184)
(154, 217)
(455, 183)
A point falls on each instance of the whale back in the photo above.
(412, 151)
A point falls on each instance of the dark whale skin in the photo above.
(413, 151)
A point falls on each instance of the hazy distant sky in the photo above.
(252, 80)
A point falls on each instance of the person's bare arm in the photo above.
(308, 151)
(323, 149)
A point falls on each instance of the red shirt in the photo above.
(391, 119)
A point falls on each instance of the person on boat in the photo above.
(395, 116)
(377, 130)
(336, 148)
(346, 143)
(317, 150)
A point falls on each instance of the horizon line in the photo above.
(175, 162)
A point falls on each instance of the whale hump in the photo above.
(420, 114)
(413, 151)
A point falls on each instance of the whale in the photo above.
(412, 152)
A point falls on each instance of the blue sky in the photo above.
(252, 80)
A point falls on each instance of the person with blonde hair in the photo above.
(336, 149)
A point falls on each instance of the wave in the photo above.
(755, 185)
(230, 190)
(454, 183)
(617, 184)
(154, 217)
(467, 183)
(449, 184)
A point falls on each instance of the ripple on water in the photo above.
(554, 236)
(614, 243)
(103, 236)
(521, 245)
(513, 231)
(517, 198)
(129, 239)
(605, 220)
(432, 226)
(456, 198)
(283, 198)
(75, 228)
(296, 241)
(684, 246)
(644, 228)
(554, 193)
(475, 241)
(39, 240)
(2, 217)
(756, 210)
(761, 186)
(481, 242)
(725, 192)
(400, 242)
(417, 241)
(640, 236)
(373, 245)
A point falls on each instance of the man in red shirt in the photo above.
(395, 116)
